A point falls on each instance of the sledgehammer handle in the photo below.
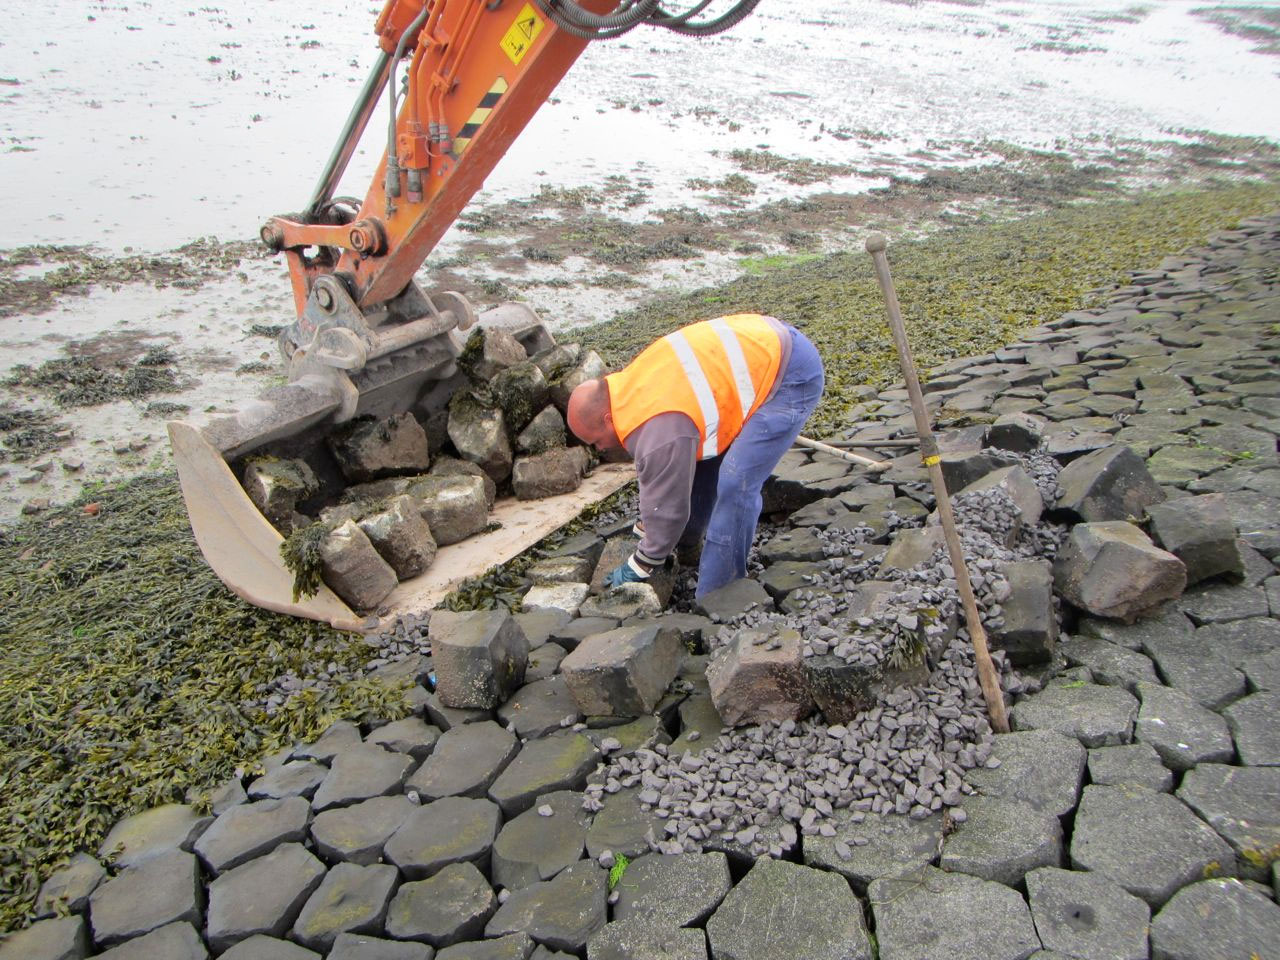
(876, 244)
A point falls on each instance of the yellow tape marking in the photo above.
(520, 36)
(478, 116)
(930, 461)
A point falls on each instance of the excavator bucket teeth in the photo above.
(237, 541)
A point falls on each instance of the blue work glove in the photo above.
(629, 572)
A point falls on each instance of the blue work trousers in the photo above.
(726, 499)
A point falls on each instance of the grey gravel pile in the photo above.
(908, 756)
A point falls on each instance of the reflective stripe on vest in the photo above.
(716, 372)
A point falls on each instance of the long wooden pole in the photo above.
(875, 466)
(876, 245)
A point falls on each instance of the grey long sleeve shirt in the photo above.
(665, 450)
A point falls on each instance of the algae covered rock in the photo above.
(479, 434)
(453, 467)
(454, 507)
(368, 449)
(550, 474)
(401, 536)
(353, 569)
(520, 392)
(488, 351)
(276, 486)
(589, 367)
(545, 432)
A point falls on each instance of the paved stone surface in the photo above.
(68, 888)
(174, 941)
(1188, 663)
(1181, 731)
(297, 778)
(1111, 569)
(450, 907)
(1216, 920)
(1095, 715)
(782, 910)
(479, 657)
(350, 899)
(269, 948)
(356, 834)
(538, 625)
(173, 826)
(411, 735)
(561, 913)
(164, 888)
(466, 760)
(1252, 723)
(1001, 840)
(250, 830)
(543, 662)
(1243, 805)
(1136, 764)
(360, 773)
(934, 914)
(1087, 916)
(641, 938)
(1263, 672)
(518, 946)
(358, 946)
(868, 846)
(624, 672)
(1220, 603)
(539, 708)
(1109, 663)
(1038, 767)
(734, 599)
(536, 846)
(680, 890)
(559, 762)
(62, 938)
(449, 830)
(1200, 533)
(1149, 843)
(262, 896)
(1235, 641)
(621, 826)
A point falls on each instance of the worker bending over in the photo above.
(706, 413)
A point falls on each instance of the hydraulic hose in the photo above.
(572, 18)
(729, 20)
(392, 187)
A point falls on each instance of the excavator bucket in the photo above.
(398, 366)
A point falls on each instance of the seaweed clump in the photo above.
(84, 381)
(27, 434)
(300, 552)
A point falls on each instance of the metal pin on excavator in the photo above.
(368, 340)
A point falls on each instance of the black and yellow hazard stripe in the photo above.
(478, 116)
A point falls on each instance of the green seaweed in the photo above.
(300, 552)
(124, 664)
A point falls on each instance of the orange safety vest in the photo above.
(717, 372)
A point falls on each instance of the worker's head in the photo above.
(590, 417)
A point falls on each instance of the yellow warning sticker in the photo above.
(519, 38)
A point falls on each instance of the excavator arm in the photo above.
(368, 341)
(478, 71)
